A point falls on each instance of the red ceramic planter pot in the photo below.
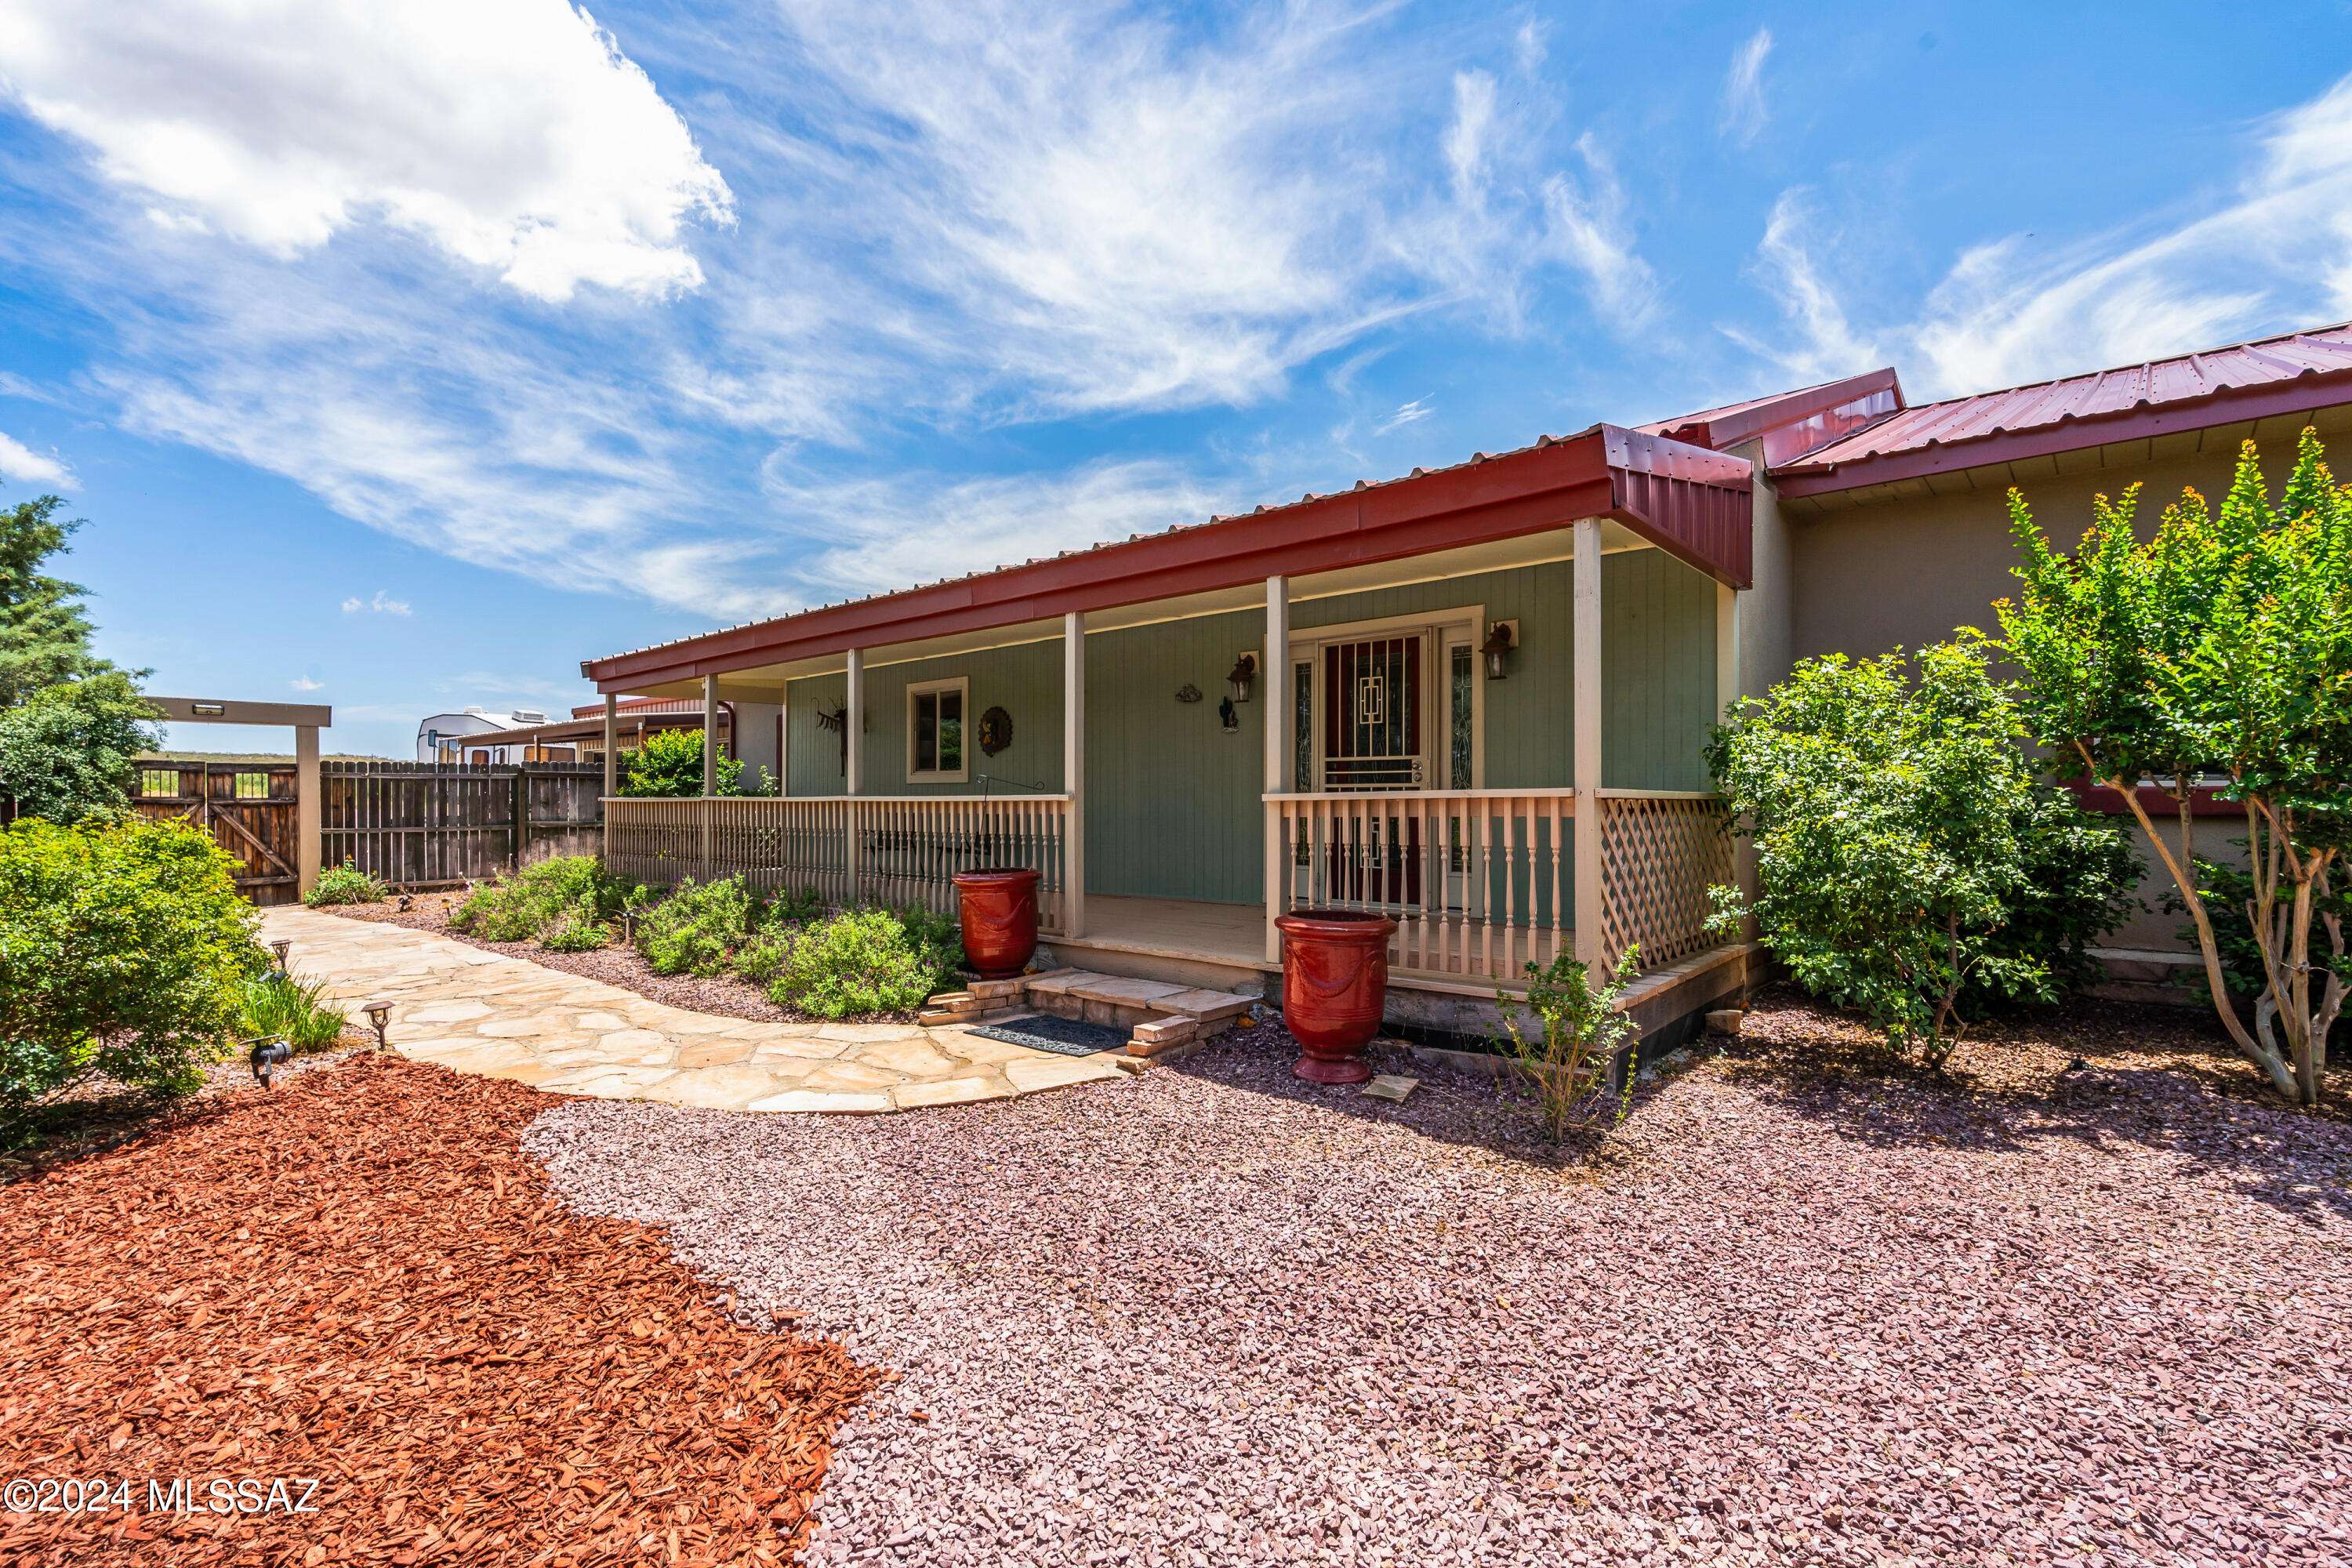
(1335, 983)
(998, 909)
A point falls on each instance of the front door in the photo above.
(1373, 718)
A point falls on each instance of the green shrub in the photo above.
(1912, 866)
(569, 891)
(123, 951)
(347, 884)
(669, 764)
(863, 962)
(761, 957)
(696, 928)
(573, 933)
(1565, 1061)
(279, 1008)
(66, 754)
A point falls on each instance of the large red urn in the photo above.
(998, 909)
(1335, 983)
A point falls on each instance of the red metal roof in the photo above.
(1791, 424)
(2291, 373)
(1689, 501)
(640, 705)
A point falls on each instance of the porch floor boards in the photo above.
(1235, 934)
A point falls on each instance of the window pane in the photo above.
(926, 724)
(1462, 666)
(951, 732)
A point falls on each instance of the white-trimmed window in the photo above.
(937, 734)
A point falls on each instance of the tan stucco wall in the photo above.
(1905, 569)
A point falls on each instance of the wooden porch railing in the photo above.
(1481, 882)
(869, 849)
(1478, 880)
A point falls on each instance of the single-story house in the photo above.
(1474, 698)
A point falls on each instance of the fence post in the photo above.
(519, 803)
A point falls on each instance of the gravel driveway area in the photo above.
(1217, 1317)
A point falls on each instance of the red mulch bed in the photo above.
(359, 1277)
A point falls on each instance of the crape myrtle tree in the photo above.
(2221, 649)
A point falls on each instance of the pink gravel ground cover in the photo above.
(1796, 1311)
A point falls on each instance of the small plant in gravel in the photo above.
(1913, 867)
(570, 893)
(1577, 1031)
(698, 928)
(865, 961)
(347, 884)
(280, 1007)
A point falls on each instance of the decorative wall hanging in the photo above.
(837, 724)
(1227, 715)
(995, 730)
(1188, 692)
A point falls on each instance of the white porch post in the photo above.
(853, 766)
(709, 764)
(1274, 676)
(1727, 690)
(1074, 772)
(1584, 645)
(612, 741)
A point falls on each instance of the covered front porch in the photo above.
(1474, 702)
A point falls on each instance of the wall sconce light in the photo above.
(1502, 641)
(208, 709)
(1244, 672)
(379, 1018)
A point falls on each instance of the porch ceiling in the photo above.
(1686, 499)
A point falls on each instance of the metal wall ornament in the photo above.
(995, 730)
(1228, 715)
(1188, 692)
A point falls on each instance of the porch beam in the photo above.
(1584, 648)
(1276, 658)
(1074, 772)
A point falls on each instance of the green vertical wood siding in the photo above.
(1172, 808)
(1026, 681)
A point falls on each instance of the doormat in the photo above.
(1064, 1037)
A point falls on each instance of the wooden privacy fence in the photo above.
(417, 824)
(248, 808)
(870, 849)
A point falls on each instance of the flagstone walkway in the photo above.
(484, 1013)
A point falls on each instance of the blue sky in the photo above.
(401, 357)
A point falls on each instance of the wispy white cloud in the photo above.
(513, 136)
(1826, 344)
(2277, 247)
(26, 466)
(304, 683)
(382, 604)
(1592, 228)
(1743, 110)
(1412, 413)
(505, 683)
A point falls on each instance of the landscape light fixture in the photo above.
(379, 1018)
(281, 949)
(1502, 639)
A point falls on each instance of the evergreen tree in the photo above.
(44, 630)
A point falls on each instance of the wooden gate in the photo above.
(248, 808)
